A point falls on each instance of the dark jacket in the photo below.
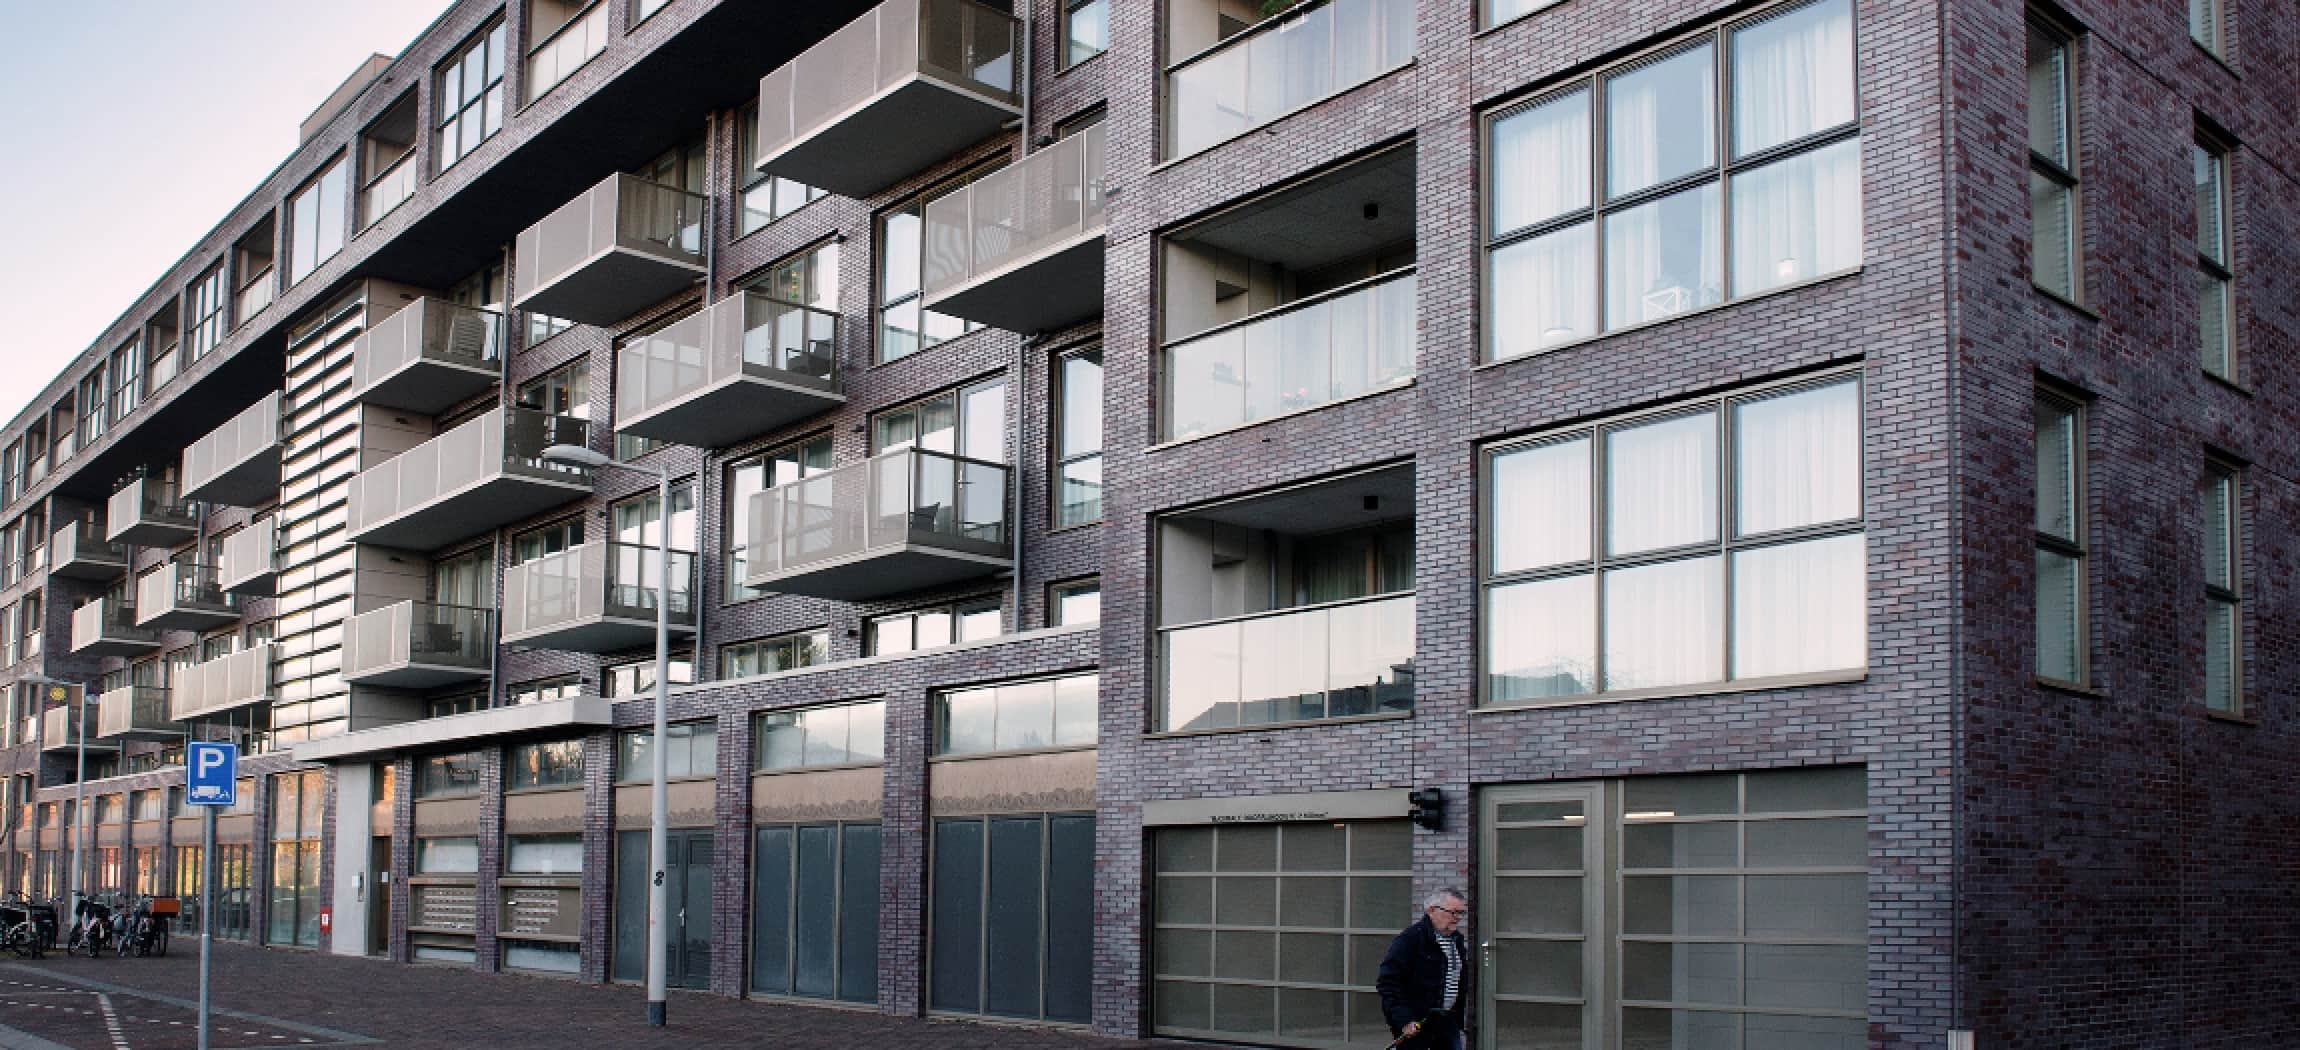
(1412, 983)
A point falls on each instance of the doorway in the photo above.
(687, 874)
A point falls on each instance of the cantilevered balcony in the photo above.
(552, 718)
(107, 627)
(1021, 248)
(417, 645)
(184, 596)
(485, 473)
(430, 355)
(222, 685)
(747, 366)
(624, 245)
(238, 464)
(889, 94)
(902, 521)
(595, 598)
(80, 551)
(151, 513)
(135, 712)
(60, 728)
(251, 558)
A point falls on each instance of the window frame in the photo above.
(2211, 149)
(1059, 458)
(938, 717)
(2078, 411)
(748, 179)
(621, 741)
(766, 642)
(2220, 470)
(336, 168)
(2070, 177)
(759, 766)
(496, 34)
(511, 767)
(1070, 10)
(1057, 590)
(974, 604)
(732, 589)
(880, 304)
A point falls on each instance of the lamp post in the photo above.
(658, 800)
(79, 782)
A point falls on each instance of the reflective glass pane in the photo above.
(1797, 458)
(1540, 162)
(1542, 639)
(1543, 291)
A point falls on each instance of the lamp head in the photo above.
(575, 456)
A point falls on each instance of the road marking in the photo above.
(112, 1022)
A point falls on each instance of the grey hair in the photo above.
(1438, 899)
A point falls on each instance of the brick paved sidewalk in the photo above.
(279, 998)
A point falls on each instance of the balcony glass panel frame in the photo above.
(926, 510)
(1030, 228)
(1352, 341)
(622, 245)
(419, 644)
(428, 356)
(749, 365)
(1281, 65)
(1331, 655)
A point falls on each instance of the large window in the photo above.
(1018, 716)
(814, 911)
(905, 326)
(782, 652)
(2056, 259)
(562, 35)
(2215, 263)
(749, 476)
(1631, 227)
(1078, 437)
(203, 315)
(763, 198)
(447, 776)
(1272, 933)
(552, 763)
(2223, 589)
(1011, 899)
(969, 422)
(298, 807)
(968, 621)
(1085, 30)
(2061, 527)
(837, 735)
(317, 223)
(1705, 543)
(694, 752)
(469, 102)
(637, 677)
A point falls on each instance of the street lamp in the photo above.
(79, 785)
(658, 799)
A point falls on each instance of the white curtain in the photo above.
(1544, 291)
(1541, 161)
(1797, 459)
(1542, 638)
(1661, 484)
(1797, 219)
(1658, 122)
(1800, 607)
(1664, 624)
(1541, 506)
(1793, 76)
(1664, 257)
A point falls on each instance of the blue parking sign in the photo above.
(211, 774)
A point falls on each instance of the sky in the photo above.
(132, 128)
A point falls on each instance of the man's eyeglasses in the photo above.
(1459, 913)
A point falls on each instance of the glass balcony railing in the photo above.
(746, 366)
(597, 597)
(237, 463)
(623, 245)
(1335, 660)
(430, 355)
(565, 50)
(150, 512)
(222, 684)
(418, 644)
(138, 711)
(79, 550)
(888, 93)
(388, 191)
(1012, 224)
(482, 474)
(1281, 65)
(903, 520)
(1299, 356)
(252, 297)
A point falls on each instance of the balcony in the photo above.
(1337, 660)
(60, 729)
(253, 296)
(624, 245)
(596, 598)
(251, 558)
(150, 513)
(1312, 352)
(1021, 249)
(902, 521)
(1281, 64)
(555, 718)
(222, 685)
(184, 596)
(417, 645)
(107, 627)
(889, 94)
(485, 473)
(748, 366)
(136, 712)
(429, 356)
(238, 464)
(80, 551)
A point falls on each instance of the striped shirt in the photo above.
(1447, 944)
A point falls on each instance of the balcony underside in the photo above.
(604, 634)
(416, 675)
(1053, 289)
(499, 500)
(213, 710)
(155, 533)
(115, 643)
(611, 286)
(189, 618)
(555, 717)
(891, 136)
(90, 567)
(72, 743)
(139, 733)
(252, 482)
(260, 583)
(429, 386)
(882, 571)
(734, 411)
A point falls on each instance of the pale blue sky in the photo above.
(131, 127)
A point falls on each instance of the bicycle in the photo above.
(146, 929)
(92, 925)
(20, 928)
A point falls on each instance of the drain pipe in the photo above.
(1029, 63)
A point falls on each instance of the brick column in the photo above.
(486, 958)
(902, 856)
(598, 854)
(730, 857)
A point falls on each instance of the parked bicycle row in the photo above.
(29, 929)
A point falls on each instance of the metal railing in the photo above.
(622, 211)
(427, 329)
(251, 432)
(743, 334)
(960, 42)
(593, 581)
(566, 49)
(909, 496)
(1283, 64)
(487, 447)
(1298, 356)
(226, 682)
(153, 501)
(133, 709)
(1053, 197)
(421, 634)
(388, 190)
(1335, 660)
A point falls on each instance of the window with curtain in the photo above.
(549, 539)
(2215, 262)
(1650, 193)
(750, 476)
(204, 312)
(2060, 539)
(967, 621)
(1074, 602)
(1718, 541)
(2223, 588)
(2056, 260)
(467, 580)
(968, 422)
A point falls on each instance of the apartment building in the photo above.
(1158, 489)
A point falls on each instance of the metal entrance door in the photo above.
(1542, 960)
(687, 874)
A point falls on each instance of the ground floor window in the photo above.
(108, 875)
(235, 890)
(1273, 933)
(147, 877)
(292, 916)
(814, 911)
(1012, 910)
(687, 881)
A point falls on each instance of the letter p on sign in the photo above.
(211, 774)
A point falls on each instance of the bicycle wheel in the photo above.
(160, 942)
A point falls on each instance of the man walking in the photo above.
(1424, 975)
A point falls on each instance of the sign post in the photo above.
(211, 781)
